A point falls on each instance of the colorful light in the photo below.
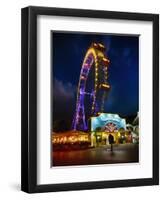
(94, 56)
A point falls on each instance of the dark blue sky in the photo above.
(68, 53)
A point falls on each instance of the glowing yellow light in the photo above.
(94, 44)
(105, 59)
(101, 45)
(105, 86)
(100, 54)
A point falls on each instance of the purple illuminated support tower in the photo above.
(95, 57)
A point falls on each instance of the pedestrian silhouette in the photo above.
(111, 141)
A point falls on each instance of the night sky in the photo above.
(68, 51)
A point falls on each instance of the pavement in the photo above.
(122, 153)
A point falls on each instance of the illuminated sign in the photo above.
(106, 118)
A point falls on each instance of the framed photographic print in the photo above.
(90, 99)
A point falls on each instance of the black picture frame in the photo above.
(29, 99)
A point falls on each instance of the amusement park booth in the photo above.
(105, 124)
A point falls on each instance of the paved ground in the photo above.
(122, 153)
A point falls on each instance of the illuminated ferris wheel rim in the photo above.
(94, 55)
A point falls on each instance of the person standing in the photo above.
(111, 141)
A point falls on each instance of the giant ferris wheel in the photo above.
(93, 86)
